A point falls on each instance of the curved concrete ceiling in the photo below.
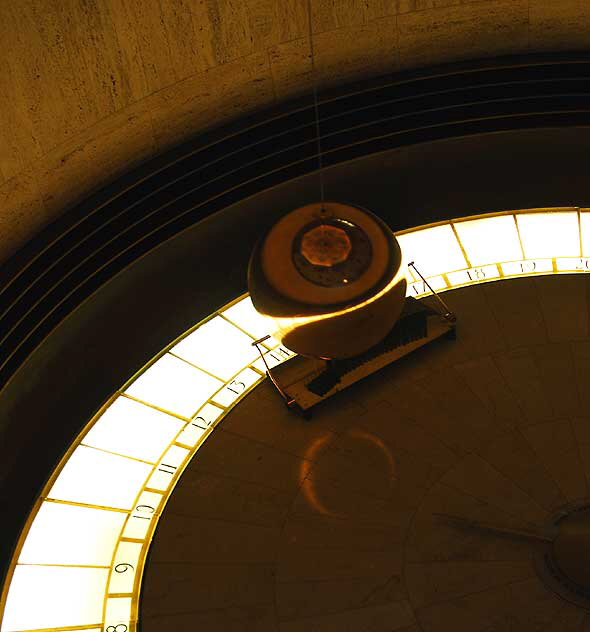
(90, 89)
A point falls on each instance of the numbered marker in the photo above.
(125, 567)
(573, 264)
(420, 288)
(473, 275)
(167, 468)
(527, 266)
(140, 518)
(118, 614)
(273, 358)
(237, 387)
(203, 422)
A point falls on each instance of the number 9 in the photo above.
(123, 567)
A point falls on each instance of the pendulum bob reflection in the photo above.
(330, 277)
(316, 473)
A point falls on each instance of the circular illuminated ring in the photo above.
(81, 555)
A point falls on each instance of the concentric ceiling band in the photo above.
(116, 226)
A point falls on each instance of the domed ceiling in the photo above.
(90, 89)
(491, 427)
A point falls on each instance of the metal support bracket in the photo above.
(446, 312)
(288, 400)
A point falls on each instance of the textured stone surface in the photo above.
(331, 524)
(89, 89)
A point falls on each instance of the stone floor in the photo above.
(286, 525)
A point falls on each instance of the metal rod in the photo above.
(466, 523)
(448, 314)
(272, 378)
(315, 103)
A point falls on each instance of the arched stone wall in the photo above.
(90, 89)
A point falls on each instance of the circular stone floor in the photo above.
(328, 525)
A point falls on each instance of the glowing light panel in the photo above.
(585, 233)
(174, 385)
(434, 250)
(133, 429)
(98, 478)
(489, 240)
(68, 534)
(549, 234)
(54, 596)
(218, 347)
